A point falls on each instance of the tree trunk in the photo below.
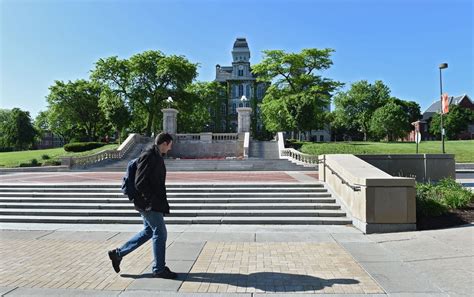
(148, 125)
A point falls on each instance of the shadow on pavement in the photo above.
(275, 281)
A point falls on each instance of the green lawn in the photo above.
(13, 159)
(462, 149)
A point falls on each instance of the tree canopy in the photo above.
(17, 129)
(355, 107)
(300, 95)
(454, 122)
(144, 82)
(74, 109)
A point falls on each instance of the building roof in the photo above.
(436, 106)
(241, 42)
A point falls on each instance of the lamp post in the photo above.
(169, 101)
(441, 67)
(243, 99)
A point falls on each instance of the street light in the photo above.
(442, 66)
(169, 101)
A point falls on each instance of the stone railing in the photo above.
(299, 157)
(121, 151)
(207, 137)
(293, 155)
(187, 137)
(225, 136)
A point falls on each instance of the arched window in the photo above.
(241, 90)
(247, 92)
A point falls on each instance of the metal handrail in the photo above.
(344, 182)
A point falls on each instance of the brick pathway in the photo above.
(78, 260)
(172, 177)
(66, 264)
(277, 267)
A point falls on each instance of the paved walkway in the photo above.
(232, 260)
(172, 177)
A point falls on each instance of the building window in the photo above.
(260, 92)
(234, 108)
(241, 90)
(223, 109)
(247, 104)
(234, 91)
(241, 73)
(247, 91)
(321, 138)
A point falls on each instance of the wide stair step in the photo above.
(190, 204)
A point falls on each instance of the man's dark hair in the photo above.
(163, 137)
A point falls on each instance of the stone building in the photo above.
(242, 90)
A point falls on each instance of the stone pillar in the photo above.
(169, 120)
(244, 119)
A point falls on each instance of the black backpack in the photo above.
(128, 181)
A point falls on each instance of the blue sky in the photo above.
(401, 42)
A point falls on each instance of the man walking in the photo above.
(150, 182)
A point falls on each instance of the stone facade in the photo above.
(239, 81)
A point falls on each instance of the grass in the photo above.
(462, 149)
(14, 159)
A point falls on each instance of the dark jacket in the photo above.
(150, 180)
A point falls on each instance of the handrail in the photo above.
(344, 182)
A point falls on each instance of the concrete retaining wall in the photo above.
(376, 201)
(422, 167)
(204, 145)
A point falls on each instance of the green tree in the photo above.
(454, 122)
(355, 107)
(411, 109)
(74, 109)
(201, 108)
(145, 81)
(18, 130)
(5, 118)
(114, 110)
(389, 121)
(302, 96)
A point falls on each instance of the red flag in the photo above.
(444, 103)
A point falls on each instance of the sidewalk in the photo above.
(57, 260)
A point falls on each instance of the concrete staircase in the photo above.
(263, 156)
(306, 204)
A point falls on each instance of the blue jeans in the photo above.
(154, 228)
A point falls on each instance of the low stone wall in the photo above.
(422, 167)
(208, 145)
(376, 201)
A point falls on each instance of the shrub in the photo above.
(293, 143)
(51, 162)
(45, 157)
(32, 163)
(434, 200)
(82, 146)
(427, 203)
(454, 195)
